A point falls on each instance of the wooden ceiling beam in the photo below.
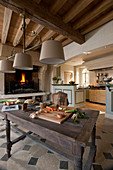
(20, 32)
(66, 42)
(98, 10)
(106, 18)
(76, 9)
(46, 36)
(37, 30)
(59, 37)
(6, 24)
(57, 6)
(41, 15)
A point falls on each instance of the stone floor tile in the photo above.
(43, 140)
(3, 165)
(3, 136)
(26, 147)
(37, 150)
(4, 158)
(3, 145)
(2, 124)
(2, 152)
(33, 161)
(63, 165)
(2, 130)
(50, 152)
(48, 162)
(28, 167)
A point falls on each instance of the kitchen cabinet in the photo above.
(98, 96)
(76, 97)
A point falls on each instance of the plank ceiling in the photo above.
(63, 20)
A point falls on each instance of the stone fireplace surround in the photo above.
(44, 73)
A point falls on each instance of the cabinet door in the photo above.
(92, 95)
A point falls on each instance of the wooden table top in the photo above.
(66, 132)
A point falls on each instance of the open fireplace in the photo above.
(23, 81)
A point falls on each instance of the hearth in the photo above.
(23, 81)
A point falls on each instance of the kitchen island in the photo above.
(76, 97)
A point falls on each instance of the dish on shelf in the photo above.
(71, 82)
(107, 79)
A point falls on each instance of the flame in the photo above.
(23, 78)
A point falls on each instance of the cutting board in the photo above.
(52, 116)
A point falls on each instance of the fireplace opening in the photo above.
(23, 81)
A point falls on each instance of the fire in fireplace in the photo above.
(22, 81)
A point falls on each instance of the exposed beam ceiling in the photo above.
(59, 37)
(76, 9)
(37, 30)
(20, 32)
(44, 18)
(99, 9)
(6, 24)
(67, 41)
(47, 36)
(57, 6)
(98, 22)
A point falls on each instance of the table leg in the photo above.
(78, 153)
(8, 137)
(93, 135)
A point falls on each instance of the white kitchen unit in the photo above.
(76, 97)
(109, 101)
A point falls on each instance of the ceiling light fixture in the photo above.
(22, 60)
(6, 66)
(52, 52)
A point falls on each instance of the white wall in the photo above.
(98, 38)
(92, 78)
(67, 68)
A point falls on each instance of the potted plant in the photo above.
(56, 79)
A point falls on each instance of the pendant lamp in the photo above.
(52, 52)
(22, 60)
(6, 66)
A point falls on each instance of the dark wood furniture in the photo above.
(69, 135)
(60, 98)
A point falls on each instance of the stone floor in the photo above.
(27, 155)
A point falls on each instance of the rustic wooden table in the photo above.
(69, 135)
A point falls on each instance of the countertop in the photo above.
(64, 84)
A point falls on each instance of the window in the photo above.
(85, 77)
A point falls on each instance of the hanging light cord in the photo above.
(24, 33)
